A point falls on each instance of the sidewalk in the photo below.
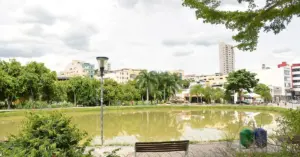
(209, 149)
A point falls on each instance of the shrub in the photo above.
(46, 135)
(33, 105)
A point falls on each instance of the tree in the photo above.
(163, 80)
(11, 87)
(264, 91)
(129, 92)
(74, 85)
(38, 81)
(147, 80)
(112, 91)
(60, 91)
(208, 93)
(217, 94)
(240, 80)
(173, 84)
(198, 91)
(46, 135)
(185, 83)
(47, 82)
(274, 16)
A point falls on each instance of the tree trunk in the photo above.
(8, 103)
(240, 95)
(201, 99)
(147, 95)
(31, 98)
(74, 98)
(164, 94)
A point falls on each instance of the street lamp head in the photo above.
(101, 62)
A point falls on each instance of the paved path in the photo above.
(212, 149)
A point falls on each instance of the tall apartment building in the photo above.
(226, 58)
(78, 68)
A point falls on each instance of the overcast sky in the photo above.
(150, 34)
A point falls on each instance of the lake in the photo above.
(127, 127)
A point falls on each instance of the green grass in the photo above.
(145, 108)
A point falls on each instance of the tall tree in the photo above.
(217, 94)
(112, 92)
(240, 80)
(264, 91)
(274, 16)
(11, 86)
(173, 84)
(208, 93)
(147, 80)
(198, 91)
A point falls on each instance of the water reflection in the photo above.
(126, 127)
(130, 127)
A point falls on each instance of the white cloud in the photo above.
(149, 34)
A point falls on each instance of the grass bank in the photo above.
(73, 110)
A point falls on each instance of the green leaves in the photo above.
(241, 79)
(264, 91)
(274, 16)
(46, 135)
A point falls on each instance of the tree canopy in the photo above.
(274, 16)
(264, 91)
(241, 80)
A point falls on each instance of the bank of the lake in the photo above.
(22, 112)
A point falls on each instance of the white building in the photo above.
(122, 75)
(295, 77)
(226, 58)
(278, 79)
(78, 68)
(214, 80)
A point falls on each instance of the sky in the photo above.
(148, 34)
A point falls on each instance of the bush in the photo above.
(32, 105)
(46, 135)
(42, 104)
(62, 105)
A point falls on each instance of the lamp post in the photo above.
(101, 63)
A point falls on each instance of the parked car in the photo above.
(242, 102)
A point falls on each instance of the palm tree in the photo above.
(147, 81)
(173, 84)
(198, 91)
(164, 78)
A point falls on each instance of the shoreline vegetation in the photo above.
(22, 112)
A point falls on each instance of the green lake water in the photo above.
(128, 127)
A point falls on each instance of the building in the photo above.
(295, 77)
(278, 79)
(226, 58)
(215, 80)
(78, 68)
(122, 75)
(180, 73)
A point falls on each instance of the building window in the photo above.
(286, 72)
(294, 70)
(296, 81)
(296, 75)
